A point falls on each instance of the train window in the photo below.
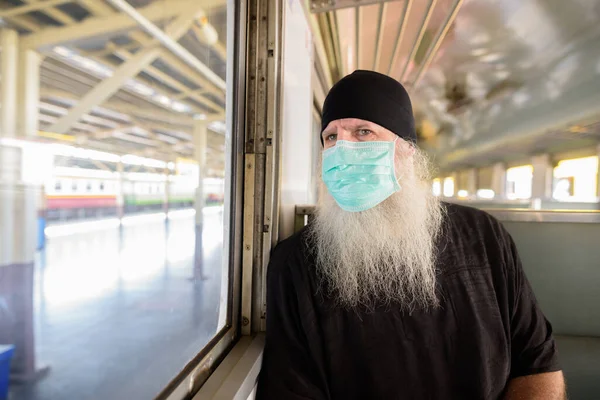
(518, 182)
(113, 288)
(576, 180)
(436, 187)
(449, 186)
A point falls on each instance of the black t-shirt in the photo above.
(488, 329)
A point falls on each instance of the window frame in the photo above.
(189, 380)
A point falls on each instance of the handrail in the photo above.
(304, 212)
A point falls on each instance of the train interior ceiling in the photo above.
(152, 153)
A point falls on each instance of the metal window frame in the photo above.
(262, 156)
(198, 370)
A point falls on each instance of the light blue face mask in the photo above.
(360, 175)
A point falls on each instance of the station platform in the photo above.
(119, 311)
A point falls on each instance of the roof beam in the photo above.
(14, 11)
(127, 70)
(97, 7)
(24, 21)
(113, 23)
(380, 31)
(417, 42)
(191, 73)
(167, 41)
(108, 133)
(170, 81)
(173, 119)
(58, 15)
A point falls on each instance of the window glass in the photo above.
(437, 187)
(107, 291)
(518, 182)
(576, 180)
(449, 187)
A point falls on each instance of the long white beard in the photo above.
(386, 254)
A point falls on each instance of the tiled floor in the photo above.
(119, 312)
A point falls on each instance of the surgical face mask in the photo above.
(360, 175)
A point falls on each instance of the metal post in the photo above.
(120, 196)
(200, 139)
(167, 192)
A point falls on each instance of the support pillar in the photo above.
(472, 182)
(21, 173)
(9, 156)
(454, 177)
(499, 181)
(541, 184)
(200, 144)
(29, 92)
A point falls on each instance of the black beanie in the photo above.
(373, 97)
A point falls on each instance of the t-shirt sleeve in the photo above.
(289, 369)
(533, 349)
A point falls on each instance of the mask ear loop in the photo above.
(396, 178)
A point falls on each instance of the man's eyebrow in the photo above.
(365, 126)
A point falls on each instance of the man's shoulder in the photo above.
(289, 251)
(472, 219)
(477, 232)
(291, 244)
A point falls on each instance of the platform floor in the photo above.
(119, 312)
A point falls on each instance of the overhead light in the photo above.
(486, 194)
(478, 52)
(488, 58)
(206, 33)
(502, 74)
(479, 38)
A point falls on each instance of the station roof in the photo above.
(108, 85)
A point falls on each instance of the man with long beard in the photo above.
(389, 293)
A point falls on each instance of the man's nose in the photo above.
(344, 134)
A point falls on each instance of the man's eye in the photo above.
(331, 137)
(364, 132)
